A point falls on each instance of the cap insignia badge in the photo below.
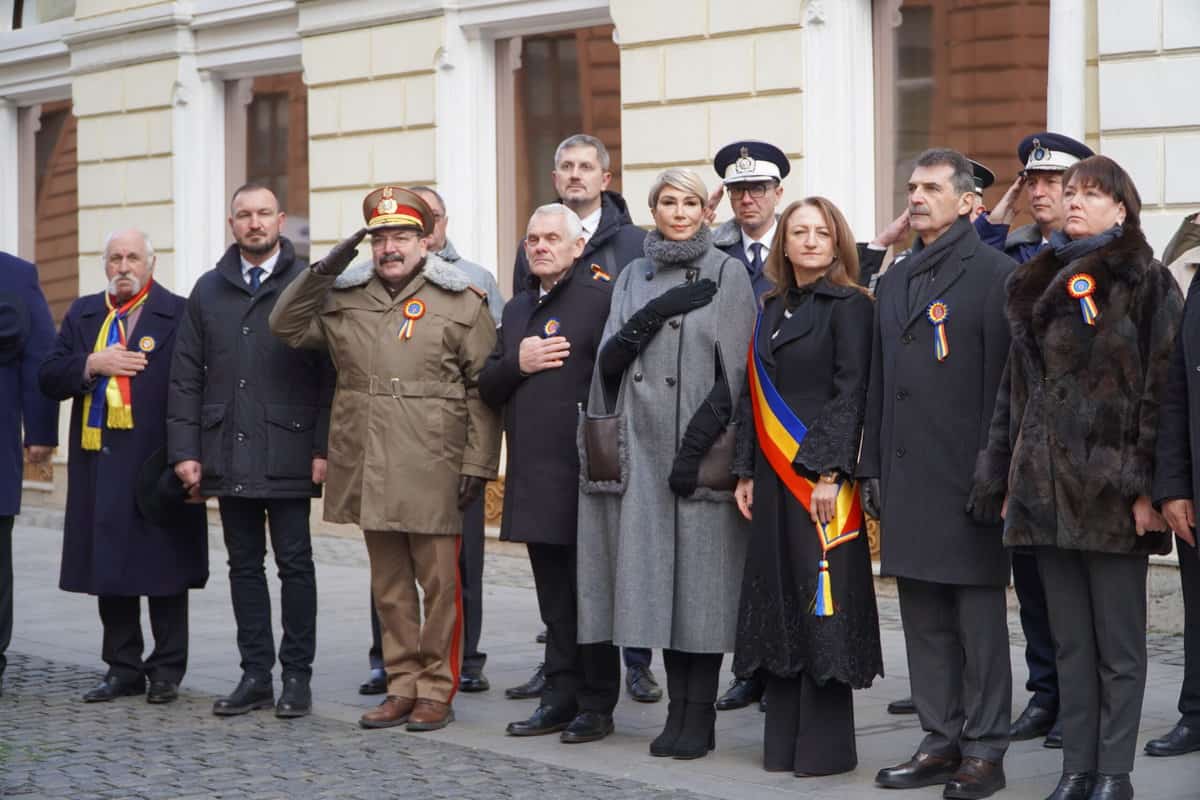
(744, 163)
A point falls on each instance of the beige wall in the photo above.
(125, 162)
(371, 118)
(96, 8)
(698, 74)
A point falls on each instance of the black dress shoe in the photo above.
(922, 769)
(975, 779)
(541, 637)
(588, 726)
(639, 680)
(473, 683)
(1182, 739)
(113, 687)
(296, 698)
(162, 692)
(375, 684)
(530, 688)
(544, 719)
(904, 705)
(1034, 723)
(1112, 787)
(741, 693)
(1054, 737)
(1074, 786)
(251, 694)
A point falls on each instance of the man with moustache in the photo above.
(538, 375)
(409, 335)
(247, 422)
(941, 342)
(112, 359)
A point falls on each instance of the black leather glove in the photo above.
(341, 256)
(682, 299)
(469, 489)
(869, 494)
(620, 350)
(984, 507)
(707, 424)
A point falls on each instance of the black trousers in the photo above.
(470, 570)
(122, 644)
(245, 522)
(586, 677)
(957, 642)
(1035, 624)
(809, 727)
(1189, 576)
(6, 589)
(1097, 607)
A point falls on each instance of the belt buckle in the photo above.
(395, 388)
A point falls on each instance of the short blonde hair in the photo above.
(682, 179)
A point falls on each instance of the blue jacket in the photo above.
(21, 402)
(1020, 245)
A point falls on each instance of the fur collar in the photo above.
(1037, 290)
(665, 252)
(436, 271)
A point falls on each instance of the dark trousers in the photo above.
(1097, 607)
(809, 727)
(1035, 624)
(245, 522)
(958, 666)
(6, 589)
(586, 677)
(1189, 576)
(122, 644)
(470, 571)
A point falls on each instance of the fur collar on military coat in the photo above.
(1073, 435)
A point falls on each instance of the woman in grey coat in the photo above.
(661, 552)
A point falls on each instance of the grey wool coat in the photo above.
(656, 570)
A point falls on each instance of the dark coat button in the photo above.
(900, 395)
(241, 437)
(245, 330)
(675, 323)
(105, 450)
(242, 383)
(238, 489)
(900, 451)
(908, 338)
(670, 381)
(637, 377)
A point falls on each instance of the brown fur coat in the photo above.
(1073, 435)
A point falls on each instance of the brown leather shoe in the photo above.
(922, 769)
(430, 715)
(391, 712)
(975, 779)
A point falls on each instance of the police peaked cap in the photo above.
(1048, 151)
(751, 160)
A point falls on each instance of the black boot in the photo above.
(676, 665)
(1074, 786)
(698, 736)
(1112, 787)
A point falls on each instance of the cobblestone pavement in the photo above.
(53, 746)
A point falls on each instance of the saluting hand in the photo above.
(116, 360)
(1009, 206)
(340, 255)
(536, 354)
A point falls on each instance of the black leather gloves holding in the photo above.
(709, 421)
(470, 487)
(341, 256)
(871, 499)
(620, 350)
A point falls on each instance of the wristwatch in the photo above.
(829, 477)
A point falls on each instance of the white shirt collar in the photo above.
(765, 241)
(267, 266)
(590, 223)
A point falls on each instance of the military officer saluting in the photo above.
(411, 443)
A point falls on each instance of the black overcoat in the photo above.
(108, 547)
(252, 410)
(541, 411)
(927, 420)
(819, 361)
(1176, 471)
(1076, 423)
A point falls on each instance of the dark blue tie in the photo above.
(256, 274)
(756, 263)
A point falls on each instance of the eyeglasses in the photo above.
(755, 190)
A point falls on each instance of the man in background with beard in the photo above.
(247, 421)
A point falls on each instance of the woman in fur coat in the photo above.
(1070, 459)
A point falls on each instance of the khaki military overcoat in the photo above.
(407, 419)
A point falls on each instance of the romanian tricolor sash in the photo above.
(110, 394)
(779, 433)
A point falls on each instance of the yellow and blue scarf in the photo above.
(111, 393)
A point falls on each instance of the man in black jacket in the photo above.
(539, 372)
(611, 240)
(929, 407)
(247, 422)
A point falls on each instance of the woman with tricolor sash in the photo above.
(807, 615)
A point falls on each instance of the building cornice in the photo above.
(334, 16)
(129, 37)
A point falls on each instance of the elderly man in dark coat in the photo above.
(941, 340)
(539, 372)
(26, 335)
(113, 360)
(247, 423)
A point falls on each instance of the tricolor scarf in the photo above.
(111, 393)
(779, 432)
